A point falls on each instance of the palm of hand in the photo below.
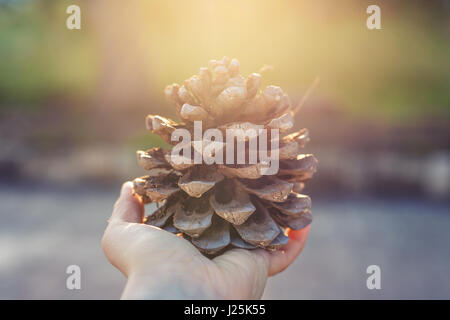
(159, 264)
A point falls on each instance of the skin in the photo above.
(161, 265)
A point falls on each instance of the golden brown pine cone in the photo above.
(251, 209)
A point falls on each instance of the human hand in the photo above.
(161, 265)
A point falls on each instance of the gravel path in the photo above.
(43, 230)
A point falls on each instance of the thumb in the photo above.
(128, 211)
(129, 207)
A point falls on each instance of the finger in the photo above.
(128, 207)
(281, 259)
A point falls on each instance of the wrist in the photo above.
(165, 286)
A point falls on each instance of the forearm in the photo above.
(165, 286)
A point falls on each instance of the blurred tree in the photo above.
(124, 81)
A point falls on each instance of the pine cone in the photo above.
(251, 209)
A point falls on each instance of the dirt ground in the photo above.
(43, 230)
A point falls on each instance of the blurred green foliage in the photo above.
(39, 59)
(146, 139)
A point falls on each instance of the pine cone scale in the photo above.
(193, 216)
(278, 242)
(292, 222)
(199, 180)
(232, 205)
(271, 189)
(259, 229)
(294, 205)
(215, 238)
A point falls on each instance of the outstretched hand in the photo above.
(161, 265)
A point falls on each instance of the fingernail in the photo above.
(126, 188)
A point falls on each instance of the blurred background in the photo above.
(72, 109)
